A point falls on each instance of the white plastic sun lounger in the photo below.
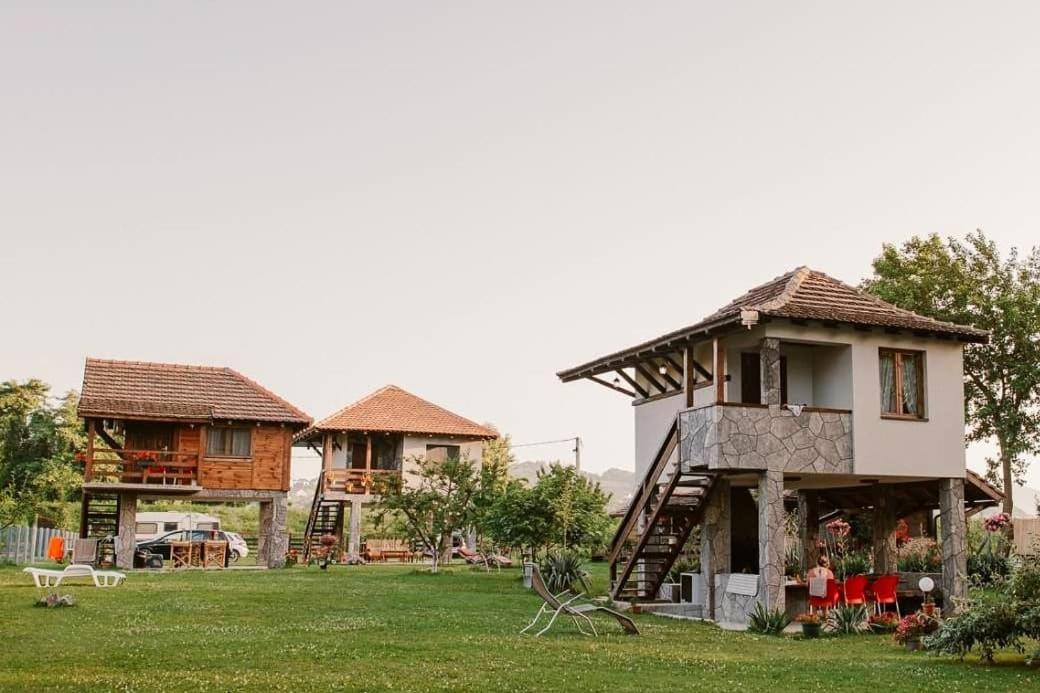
(44, 577)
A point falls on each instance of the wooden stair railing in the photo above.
(672, 508)
(323, 518)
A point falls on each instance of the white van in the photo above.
(155, 524)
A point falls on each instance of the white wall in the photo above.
(652, 420)
(799, 373)
(832, 377)
(930, 448)
(415, 446)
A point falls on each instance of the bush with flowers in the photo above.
(885, 622)
(915, 626)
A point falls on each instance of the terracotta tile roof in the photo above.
(166, 391)
(803, 294)
(396, 410)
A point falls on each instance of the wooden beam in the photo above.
(689, 374)
(368, 452)
(670, 378)
(612, 386)
(642, 391)
(705, 373)
(650, 377)
(88, 472)
(673, 363)
(719, 357)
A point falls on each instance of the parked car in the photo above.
(160, 546)
(237, 544)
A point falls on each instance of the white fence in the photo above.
(29, 544)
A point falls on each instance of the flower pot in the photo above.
(912, 645)
(810, 630)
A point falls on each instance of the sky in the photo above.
(464, 198)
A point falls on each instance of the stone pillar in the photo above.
(809, 528)
(885, 557)
(354, 538)
(769, 357)
(126, 540)
(953, 530)
(273, 538)
(771, 539)
(715, 542)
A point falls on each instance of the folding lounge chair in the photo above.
(568, 603)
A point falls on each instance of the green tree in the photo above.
(435, 500)
(38, 442)
(563, 509)
(969, 282)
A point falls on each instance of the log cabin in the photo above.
(379, 435)
(198, 433)
(802, 387)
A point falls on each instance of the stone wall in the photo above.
(736, 436)
(732, 608)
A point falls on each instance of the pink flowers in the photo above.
(913, 626)
(997, 522)
(839, 527)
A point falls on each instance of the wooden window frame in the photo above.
(897, 373)
(227, 455)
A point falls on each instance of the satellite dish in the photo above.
(926, 584)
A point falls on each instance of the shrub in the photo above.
(768, 621)
(885, 622)
(848, 619)
(914, 627)
(996, 618)
(987, 568)
(920, 556)
(854, 564)
(810, 618)
(564, 570)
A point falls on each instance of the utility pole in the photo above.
(577, 453)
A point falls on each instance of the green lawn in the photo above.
(390, 628)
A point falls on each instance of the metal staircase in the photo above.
(667, 505)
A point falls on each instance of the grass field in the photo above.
(392, 628)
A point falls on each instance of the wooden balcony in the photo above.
(163, 471)
(356, 481)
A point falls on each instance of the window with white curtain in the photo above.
(902, 383)
(229, 442)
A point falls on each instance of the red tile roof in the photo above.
(802, 294)
(138, 389)
(396, 410)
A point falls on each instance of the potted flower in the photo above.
(885, 622)
(811, 624)
(327, 541)
(912, 628)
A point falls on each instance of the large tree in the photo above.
(38, 441)
(969, 282)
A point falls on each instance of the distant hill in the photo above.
(617, 482)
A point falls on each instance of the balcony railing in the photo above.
(357, 481)
(159, 467)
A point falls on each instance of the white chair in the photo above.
(46, 578)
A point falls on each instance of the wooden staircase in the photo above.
(667, 505)
(99, 515)
(325, 518)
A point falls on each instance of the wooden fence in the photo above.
(29, 544)
(1027, 535)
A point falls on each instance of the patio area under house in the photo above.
(803, 392)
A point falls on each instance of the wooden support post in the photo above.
(88, 472)
(326, 452)
(368, 452)
(719, 354)
(689, 374)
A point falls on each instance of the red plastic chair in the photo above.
(827, 602)
(856, 590)
(884, 589)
